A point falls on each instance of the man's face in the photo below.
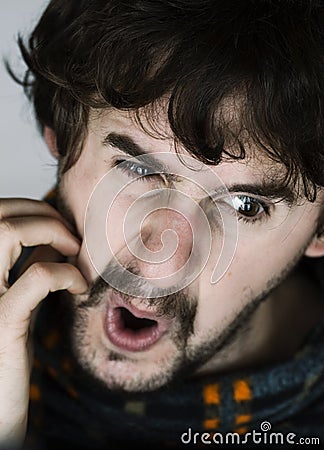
(150, 314)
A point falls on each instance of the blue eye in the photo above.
(134, 169)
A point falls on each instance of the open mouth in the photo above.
(131, 322)
(132, 329)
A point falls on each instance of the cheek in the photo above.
(76, 188)
(258, 264)
(219, 303)
(103, 235)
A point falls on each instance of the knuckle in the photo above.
(55, 225)
(6, 227)
(69, 269)
(39, 271)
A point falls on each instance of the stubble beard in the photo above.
(187, 359)
(179, 307)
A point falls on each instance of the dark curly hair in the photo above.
(266, 56)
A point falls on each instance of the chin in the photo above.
(133, 376)
(117, 372)
(117, 369)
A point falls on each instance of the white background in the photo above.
(26, 167)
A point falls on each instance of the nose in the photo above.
(166, 243)
(167, 238)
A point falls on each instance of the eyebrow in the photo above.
(267, 189)
(127, 145)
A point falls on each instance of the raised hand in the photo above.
(28, 223)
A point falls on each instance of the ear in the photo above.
(50, 139)
(316, 247)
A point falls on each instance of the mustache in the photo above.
(179, 305)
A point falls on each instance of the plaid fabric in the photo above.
(65, 408)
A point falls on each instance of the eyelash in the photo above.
(260, 217)
(130, 168)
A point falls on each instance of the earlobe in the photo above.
(50, 139)
(316, 247)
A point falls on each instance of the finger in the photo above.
(43, 253)
(16, 233)
(16, 308)
(18, 207)
(15, 207)
(17, 304)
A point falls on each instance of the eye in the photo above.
(134, 169)
(249, 208)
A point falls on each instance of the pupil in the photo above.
(249, 208)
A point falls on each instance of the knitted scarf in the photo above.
(66, 409)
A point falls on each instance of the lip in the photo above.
(129, 339)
